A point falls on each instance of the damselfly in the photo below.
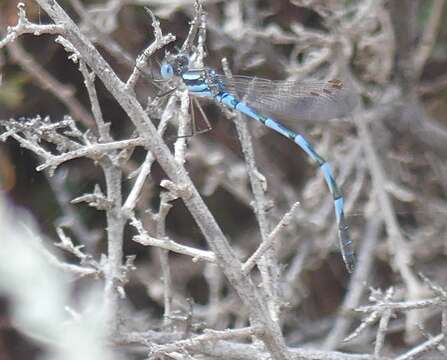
(285, 100)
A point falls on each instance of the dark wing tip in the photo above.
(346, 245)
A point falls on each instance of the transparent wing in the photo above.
(290, 100)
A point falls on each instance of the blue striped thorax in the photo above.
(200, 82)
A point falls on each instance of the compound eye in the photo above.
(167, 71)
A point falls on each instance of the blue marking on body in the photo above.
(339, 206)
(248, 111)
(327, 172)
(198, 88)
(230, 100)
(192, 75)
(301, 141)
(227, 99)
(219, 97)
(203, 94)
(277, 127)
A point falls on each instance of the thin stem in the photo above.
(429, 35)
(381, 332)
(270, 241)
(402, 257)
(267, 263)
(115, 232)
(356, 285)
(159, 42)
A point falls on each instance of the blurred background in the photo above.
(389, 158)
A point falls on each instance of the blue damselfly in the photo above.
(284, 100)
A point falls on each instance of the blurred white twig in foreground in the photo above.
(39, 294)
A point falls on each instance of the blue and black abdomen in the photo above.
(316, 100)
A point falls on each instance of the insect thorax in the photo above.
(202, 82)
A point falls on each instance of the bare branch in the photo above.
(48, 82)
(103, 128)
(93, 151)
(25, 27)
(145, 239)
(429, 35)
(87, 267)
(422, 348)
(269, 242)
(210, 336)
(267, 263)
(159, 42)
(402, 257)
(145, 168)
(356, 288)
(97, 199)
(381, 332)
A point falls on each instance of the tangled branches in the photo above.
(237, 224)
